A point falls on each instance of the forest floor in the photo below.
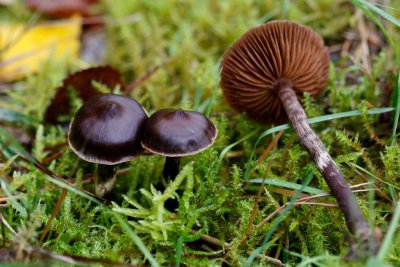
(254, 198)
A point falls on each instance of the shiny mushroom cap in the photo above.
(176, 133)
(264, 57)
(107, 129)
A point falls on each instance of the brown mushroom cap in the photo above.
(177, 133)
(266, 55)
(107, 129)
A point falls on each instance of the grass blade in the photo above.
(210, 104)
(388, 240)
(290, 185)
(9, 145)
(363, 5)
(379, 11)
(178, 254)
(136, 239)
(227, 148)
(13, 116)
(371, 174)
(5, 187)
(396, 105)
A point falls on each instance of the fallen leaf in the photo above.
(23, 49)
(82, 82)
(62, 8)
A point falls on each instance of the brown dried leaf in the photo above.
(82, 82)
(62, 8)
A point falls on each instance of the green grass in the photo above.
(221, 193)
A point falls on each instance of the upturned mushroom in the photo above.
(107, 130)
(265, 73)
(177, 133)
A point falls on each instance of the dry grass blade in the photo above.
(6, 224)
(5, 198)
(53, 214)
(270, 147)
(143, 78)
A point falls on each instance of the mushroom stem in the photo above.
(171, 167)
(356, 222)
(105, 177)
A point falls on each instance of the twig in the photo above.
(212, 240)
(269, 259)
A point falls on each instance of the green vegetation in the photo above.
(226, 212)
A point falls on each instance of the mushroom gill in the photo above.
(263, 56)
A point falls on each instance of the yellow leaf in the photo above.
(23, 50)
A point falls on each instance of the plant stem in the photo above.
(105, 177)
(356, 222)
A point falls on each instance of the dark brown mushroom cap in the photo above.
(176, 133)
(264, 56)
(107, 129)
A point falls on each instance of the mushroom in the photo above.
(265, 73)
(107, 130)
(177, 133)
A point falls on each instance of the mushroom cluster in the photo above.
(110, 129)
(265, 73)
